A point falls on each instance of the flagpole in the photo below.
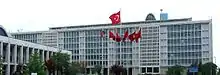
(120, 43)
(120, 33)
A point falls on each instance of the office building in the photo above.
(15, 52)
(164, 43)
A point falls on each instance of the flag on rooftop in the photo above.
(115, 18)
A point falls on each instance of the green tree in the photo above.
(116, 69)
(218, 73)
(83, 64)
(20, 70)
(35, 65)
(175, 70)
(124, 71)
(61, 61)
(200, 68)
(74, 68)
(1, 65)
(98, 69)
(209, 69)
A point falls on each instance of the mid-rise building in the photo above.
(15, 52)
(164, 43)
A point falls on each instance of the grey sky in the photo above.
(35, 15)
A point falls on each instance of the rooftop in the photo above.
(125, 23)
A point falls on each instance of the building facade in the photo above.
(15, 52)
(164, 43)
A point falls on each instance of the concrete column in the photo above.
(38, 51)
(139, 70)
(45, 59)
(8, 60)
(21, 54)
(134, 70)
(32, 51)
(15, 57)
(108, 71)
(152, 69)
(56, 72)
(71, 57)
(43, 55)
(27, 55)
(1, 48)
(127, 70)
(47, 55)
(51, 53)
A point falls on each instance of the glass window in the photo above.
(197, 26)
(149, 69)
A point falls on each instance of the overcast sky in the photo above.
(35, 15)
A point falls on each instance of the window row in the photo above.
(184, 34)
(184, 48)
(70, 40)
(184, 55)
(184, 27)
(183, 61)
(185, 41)
(70, 46)
(70, 33)
(96, 57)
(25, 36)
(149, 60)
(89, 51)
(93, 63)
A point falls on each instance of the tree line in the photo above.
(202, 69)
(60, 64)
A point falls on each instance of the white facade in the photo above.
(16, 52)
(185, 44)
(160, 40)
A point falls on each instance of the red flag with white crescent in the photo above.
(115, 18)
(125, 35)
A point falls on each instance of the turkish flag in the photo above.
(138, 35)
(115, 18)
(111, 35)
(132, 37)
(118, 38)
(125, 35)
